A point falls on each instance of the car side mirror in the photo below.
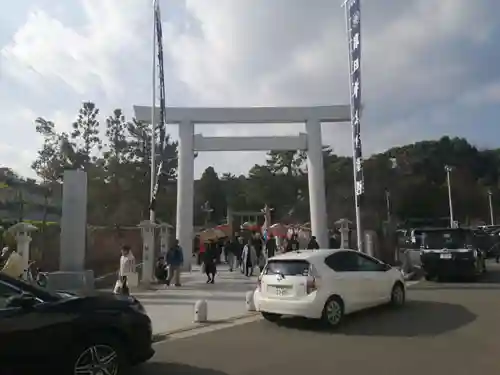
(23, 301)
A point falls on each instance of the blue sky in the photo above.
(430, 68)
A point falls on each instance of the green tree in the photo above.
(234, 191)
(136, 168)
(210, 189)
(49, 164)
(116, 139)
(290, 163)
(85, 135)
(112, 183)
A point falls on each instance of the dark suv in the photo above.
(451, 252)
(68, 333)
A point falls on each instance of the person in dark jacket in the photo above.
(231, 249)
(239, 245)
(209, 261)
(271, 246)
(257, 244)
(292, 244)
(313, 244)
(175, 260)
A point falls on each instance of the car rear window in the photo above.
(288, 267)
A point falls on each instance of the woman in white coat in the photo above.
(126, 271)
(249, 258)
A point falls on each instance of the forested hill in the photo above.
(413, 174)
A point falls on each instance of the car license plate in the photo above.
(445, 256)
(280, 291)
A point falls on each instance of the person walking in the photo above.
(271, 246)
(210, 261)
(313, 244)
(257, 244)
(292, 244)
(175, 260)
(230, 249)
(239, 252)
(201, 252)
(249, 258)
(127, 267)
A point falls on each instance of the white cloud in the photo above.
(418, 56)
(45, 49)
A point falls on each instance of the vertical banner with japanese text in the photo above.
(161, 125)
(353, 13)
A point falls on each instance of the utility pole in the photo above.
(448, 170)
(490, 202)
(388, 205)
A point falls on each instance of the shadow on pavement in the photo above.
(491, 280)
(165, 298)
(417, 318)
(167, 302)
(219, 286)
(223, 286)
(156, 368)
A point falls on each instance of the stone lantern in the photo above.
(345, 231)
(22, 234)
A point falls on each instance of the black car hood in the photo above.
(97, 300)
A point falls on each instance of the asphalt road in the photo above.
(446, 328)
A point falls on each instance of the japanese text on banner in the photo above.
(354, 35)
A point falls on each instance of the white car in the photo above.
(326, 285)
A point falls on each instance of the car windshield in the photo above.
(33, 289)
(288, 267)
(449, 239)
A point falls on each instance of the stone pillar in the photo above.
(21, 232)
(73, 221)
(148, 251)
(370, 243)
(164, 238)
(316, 178)
(345, 233)
(185, 192)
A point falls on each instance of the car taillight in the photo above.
(312, 284)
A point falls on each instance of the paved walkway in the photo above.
(172, 308)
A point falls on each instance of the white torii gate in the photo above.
(189, 143)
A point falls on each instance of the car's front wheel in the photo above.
(98, 355)
(333, 312)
